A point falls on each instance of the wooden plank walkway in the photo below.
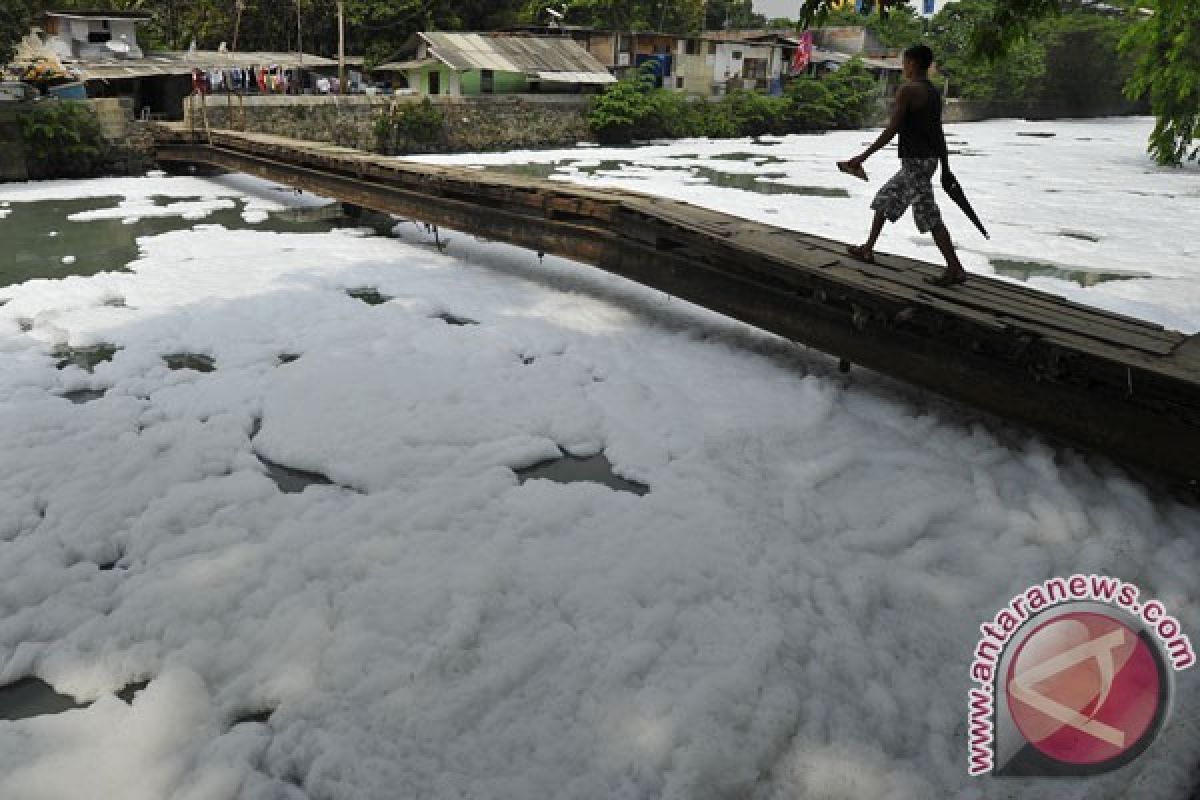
(1105, 381)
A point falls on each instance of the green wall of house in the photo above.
(502, 83)
(468, 82)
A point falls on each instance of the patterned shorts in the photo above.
(911, 186)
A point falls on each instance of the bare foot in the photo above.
(949, 278)
(862, 253)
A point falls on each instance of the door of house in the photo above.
(435, 82)
(487, 81)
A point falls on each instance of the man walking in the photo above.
(917, 117)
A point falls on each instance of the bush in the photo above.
(633, 109)
(62, 139)
(810, 106)
(854, 93)
(625, 109)
(402, 126)
(755, 114)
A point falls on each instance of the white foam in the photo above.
(788, 613)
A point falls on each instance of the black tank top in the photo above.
(921, 128)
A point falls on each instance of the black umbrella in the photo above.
(950, 184)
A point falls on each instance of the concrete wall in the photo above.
(496, 122)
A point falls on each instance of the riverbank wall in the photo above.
(471, 124)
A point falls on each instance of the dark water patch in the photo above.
(1037, 134)
(1024, 270)
(131, 690)
(287, 358)
(293, 481)
(109, 566)
(454, 319)
(81, 396)
(33, 697)
(748, 157)
(110, 244)
(193, 361)
(260, 716)
(751, 182)
(573, 469)
(86, 358)
(1083, 236)
(369, 295)
(114, 302)
(25, 324)
(540, 171)
(748, 182)
(527, 360)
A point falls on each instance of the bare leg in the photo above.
(866, 251)
(954, 269)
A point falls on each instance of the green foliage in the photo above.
(899, 28)
(855, 95)
(732, 15)
(672, 16)
(1166, 53)
(1010, 82)
(62, 139)
(1067, 63)
(811, 106)
(406, 125)
(1084, 72)
(756, 114)
(14, 24)
(633, 109)
(620, 112)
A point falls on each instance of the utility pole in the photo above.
(341, 47)
(299, 44)
(237, 24)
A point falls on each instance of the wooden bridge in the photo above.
(1106, 382)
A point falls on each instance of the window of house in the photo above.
(693, 47)
(737, 55)
(487, 81)
(755, 69)
(712, 48)
(435, 82)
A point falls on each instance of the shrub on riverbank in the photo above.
(402, 127)
(634, 109)
(62, 139)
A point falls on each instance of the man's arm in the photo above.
(889, 133)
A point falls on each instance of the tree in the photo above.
(732, 15)
(1166, 53)
(1166, 47)
(1011, 83)
(14, 24)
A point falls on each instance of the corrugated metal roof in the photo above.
(532, 55)
(577, 77)
(182, 63)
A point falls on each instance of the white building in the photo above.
(927, 8)
(87, 35)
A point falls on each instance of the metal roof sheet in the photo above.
(577, 77)
(183, 62)
(525, 54)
